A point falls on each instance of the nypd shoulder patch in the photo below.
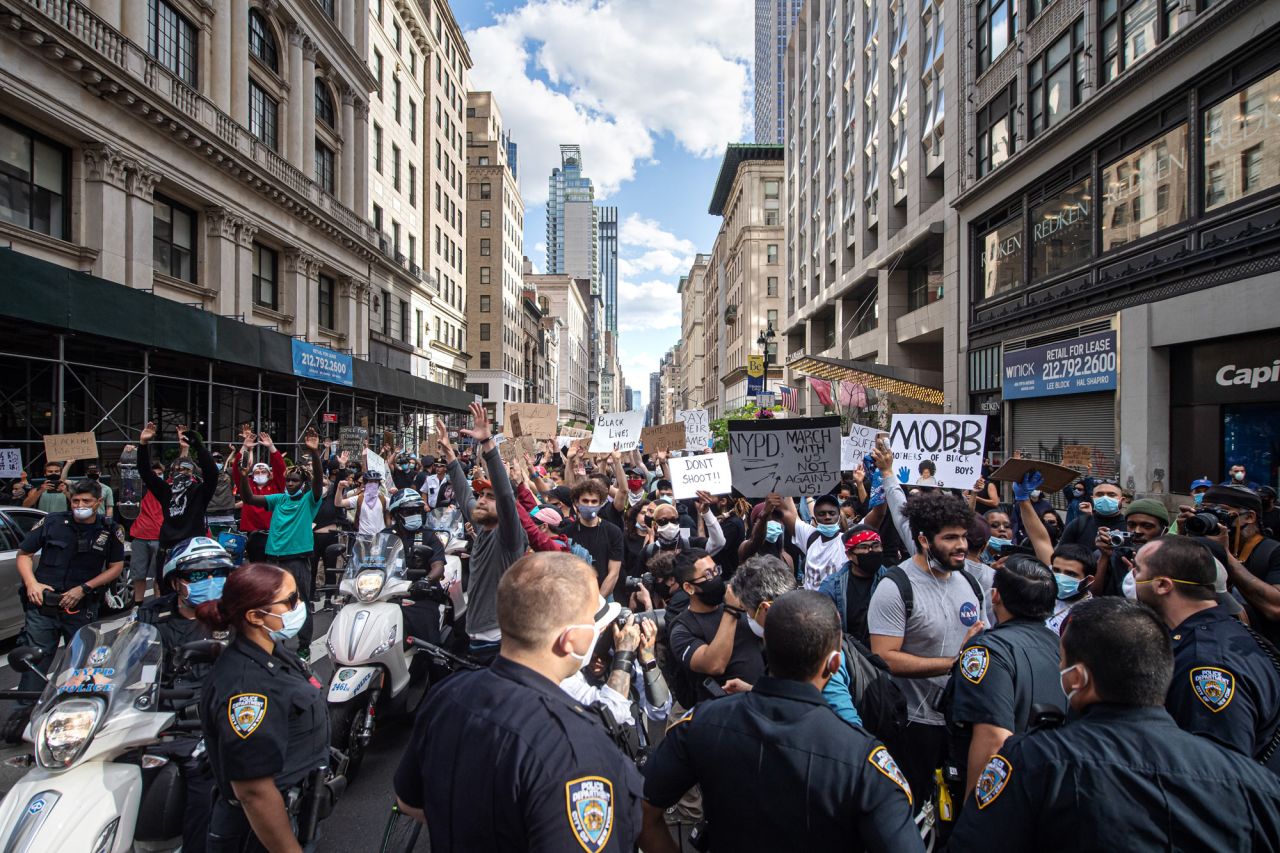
(993, 780)
(883, 761)
(974, 662)
(246, 711)
(590, 804)
(1213, 686)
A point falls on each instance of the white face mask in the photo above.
(669, 531)
(261, 479)
(1130, 587)
(1239, 476)
(595, 637)
(756, 627)
(1071, 693)
(83, 513)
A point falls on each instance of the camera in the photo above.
(655, 616)
(633, 584)
(1205, 522)
(1120, 538)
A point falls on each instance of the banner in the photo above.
(10, 462)
(666, 437)
(858, 443)
(755, 375)
(617, 431)
(313, 362)
(1077, 366)
(797, 456)
(938, 450)
(533, 419)
(70, 446)
(697, 428)
(709, 472)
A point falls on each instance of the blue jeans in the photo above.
(44, 632)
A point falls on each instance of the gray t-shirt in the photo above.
(944, 611)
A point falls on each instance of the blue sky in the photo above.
(652, 90)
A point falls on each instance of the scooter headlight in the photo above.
(369, 584)
(107, 838)
(66, 731)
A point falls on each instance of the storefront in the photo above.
(1225, 408)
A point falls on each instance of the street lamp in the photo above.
(769, 348)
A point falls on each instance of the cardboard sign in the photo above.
(796, 456)
(1056, 477)
(533, 419)
(427, 447)
(1077, 456)
(10, 462)
(352, 439)
(858, 443)
(697, 428)
(617, 431)
(938, 450)
(374, 462)
(664, 437)
(708, 472)
(70, 446)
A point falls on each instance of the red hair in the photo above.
(252, 586)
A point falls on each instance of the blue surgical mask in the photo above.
(296, 493)
(667, 499)
(828, 530)
(995, 543)
(413, 522)
(200, 592)
(1106, 505)
(1198, 498)
(290, 622)
(772, 531)
(1068, 587)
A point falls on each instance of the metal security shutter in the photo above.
(1043, 426)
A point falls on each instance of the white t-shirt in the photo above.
(822, 558)
(371, 521)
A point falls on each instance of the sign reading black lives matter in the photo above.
(795, 456)
(938, 450)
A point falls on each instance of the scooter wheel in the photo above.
(346, 721)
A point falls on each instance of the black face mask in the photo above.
(93, 475)
(711, 591)
(869, 564)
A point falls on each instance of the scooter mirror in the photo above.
(25, 658)
(201, 651)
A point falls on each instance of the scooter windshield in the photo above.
(383, 552)
(119, 663)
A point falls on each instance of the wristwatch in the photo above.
(736, 611)
(86, 589)
(649, 665)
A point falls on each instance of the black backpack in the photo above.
(877, 697)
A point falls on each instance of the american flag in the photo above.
(790, 400)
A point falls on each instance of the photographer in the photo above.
(1144, 520)
(712, 639)
(51, 495)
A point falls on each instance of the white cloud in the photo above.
(649, 306)
(617, 74)
(649, 234)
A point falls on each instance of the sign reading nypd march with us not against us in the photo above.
(938, 450)
(796, 456)
(313, 362)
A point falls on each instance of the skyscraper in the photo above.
(571, 220)
(607, 262)
(774, 19)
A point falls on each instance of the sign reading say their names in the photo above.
(709, 472)
(938, 450)
(697, 428)
(796, 456)
(617, 431)
(663, 437)
(70, 446)
(858, 443)
(533, 419)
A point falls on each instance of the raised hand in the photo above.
(1029, 483)
(311, 440)
(148, 433)
(479, 431)
(265, 441)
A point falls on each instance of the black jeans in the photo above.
(920, 749)
(301, 566)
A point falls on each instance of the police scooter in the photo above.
(374, 673)
(93, 785)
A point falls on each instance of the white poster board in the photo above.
(10, 462)
(617, 431)
(374, 462)
(707, 472)
(949, 444)
(858, 443)
(796, 456)
(697, 428)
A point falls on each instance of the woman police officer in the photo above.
(264, 715)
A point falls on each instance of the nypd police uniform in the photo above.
(780, 771)
(1226, 685)
(1119, 777)
(998, 678)
(541, 774)
(263, 715)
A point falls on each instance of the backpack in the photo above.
(903, 583)
(877, 697)
(1260, 557)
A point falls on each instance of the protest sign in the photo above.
(533, 419)
(1077, 456)
(10, 462)
(938, 450)
(796, 456)
(708, 472)
(427, 447)
(617, 431)
(664, 437)
(70, 446)
(697, 428)
(352, 439)
(858, 443)
(1055, 476)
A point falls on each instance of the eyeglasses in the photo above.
(711, 574)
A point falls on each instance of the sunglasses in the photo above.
(291, 599)
(203, 574)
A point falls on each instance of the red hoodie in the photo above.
(259, 517)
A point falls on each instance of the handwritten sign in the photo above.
(70, 446)
(709, 472)
(427, 447)
(1077, 456)
(10, 462)
(697, 428)
(533, 419)
(938, 450)
(664, 437)
(858, 443)
(796, 456)
(352, 439)
(617, 431)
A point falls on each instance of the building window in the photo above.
(483, 161)
(484, 331)
(771, 217)
(33, 181)
(1062, 231)
(486, 218)
(395, 238)
(324, 167)
(173, 242)
(262, 42)
(413, 121)
(1241, 149)
(329, 8)
(485, 247)
(995, 130)
(771, 253)
(924, 282)
(1001, 259)
(377, 219)
(377, 148)
(413, 249)
(417, 328)
(485, 361)
(171, 39)
(395, 94)
(265, 266)
(1055, 80)
(486, 190)
(413, 185)
(485, 277)
(377, 72)
(771, 286)
(997, 25)
(395, 167)
(1131, 28)
(264, 114)
(485, 302)
(324, 103)
(771, 188)
(404, 321)
(326, 294)
(1146, 190)
(395, 25)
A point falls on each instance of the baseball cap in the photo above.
(480, 484)
(1202, 483)
(546, 515)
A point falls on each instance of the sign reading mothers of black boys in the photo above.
(938, 450)
(795, 456)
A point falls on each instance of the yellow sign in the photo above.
(755, 365)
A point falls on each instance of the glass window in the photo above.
(485, 273)
(377, 72)
(1062, 231)
(171, 39)
(395, 89)
(330, 8)
(486, 190)
(771, 286)
(485, 304)
(395, 166)
(326, 289)
(1241, 146)
(265, 266)
(413, 185)
(324, 167)
(997, 24)
(995, 130)
(771, 253)
(485, 247)
(1055, 80)
(1001, 259)
(386, 313)
(173, 242)
(324, 103)
(413, 121)
(377, 148)
(404, 321)
(1146, 190)
(33, 176)
(771, 189)
(264, 114)
(417, 327)
(485, 360)
(1130, 29)
(262, 42)
(924, 282)
(484, 331)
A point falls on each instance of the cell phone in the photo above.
(716, 691)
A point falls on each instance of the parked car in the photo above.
(15, 523)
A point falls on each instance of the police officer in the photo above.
(264, 715)
(1121, 774)
(778, 769)
(81, 552)
(552, 779)
(408, 521)
(1226, 679)
(1006, 671)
